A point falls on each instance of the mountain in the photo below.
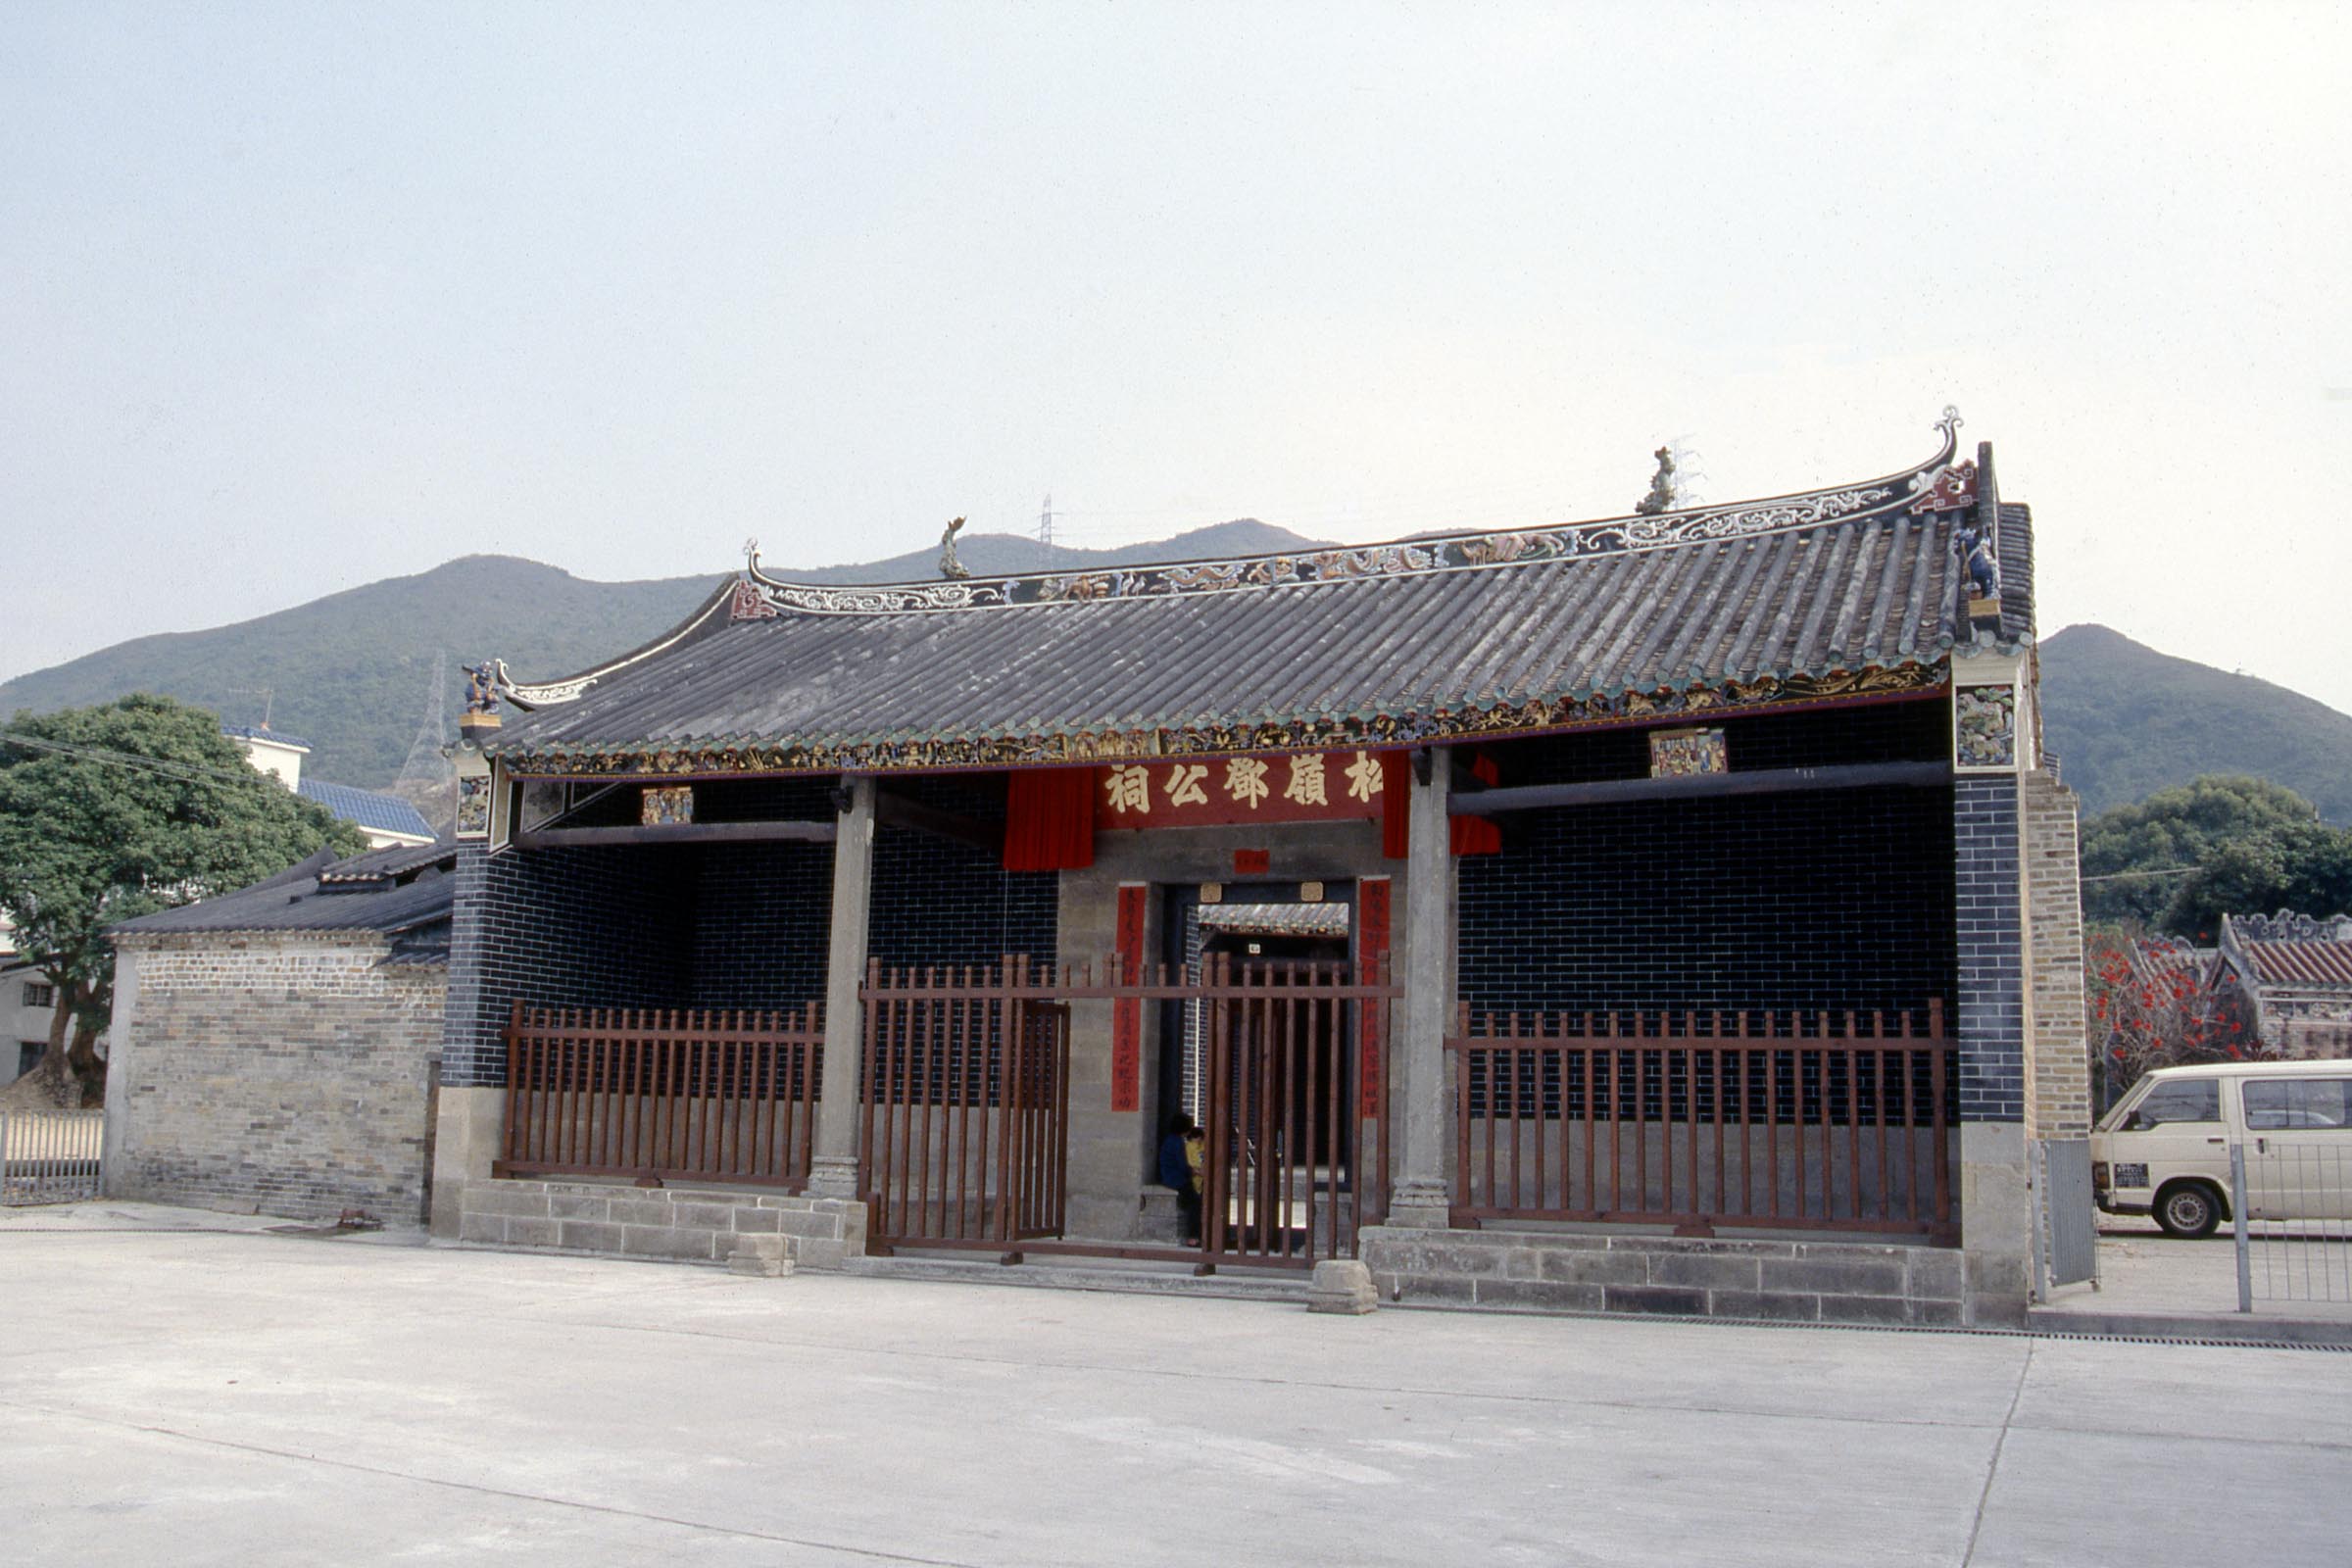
(2126, 720)
(359, 674)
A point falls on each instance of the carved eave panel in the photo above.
(720, 759)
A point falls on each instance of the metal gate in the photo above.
(50, 1156)
(964, 1133)
(966, 1121)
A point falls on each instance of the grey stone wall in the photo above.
(277, 1074)
(662, 1224)
(1776, 1281)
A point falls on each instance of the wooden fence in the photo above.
(1796, 1121)
(662, 1093)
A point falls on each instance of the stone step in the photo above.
(1046, 1272)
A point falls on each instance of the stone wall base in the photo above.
(1562, 1271)
(668, 1224)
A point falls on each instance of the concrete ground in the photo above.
(2298, 1278)
(190, 1389)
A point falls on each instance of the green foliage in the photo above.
(2127, 721)
(87, 841)
(2251, 846)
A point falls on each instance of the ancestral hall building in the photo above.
(1667, 912)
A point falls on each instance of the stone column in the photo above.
(833, 1167)
(1417, 1108)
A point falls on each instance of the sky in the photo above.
(294, 298)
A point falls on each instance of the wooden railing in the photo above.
(663, 1094)
(1799, 1120)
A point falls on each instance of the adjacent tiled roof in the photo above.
(323, 895)
(1824, 596)
(262, 733)
(387, 813)
(1276, 919)
(2288, 948)
(2324, 963)
(2157, 957)
(388, 865)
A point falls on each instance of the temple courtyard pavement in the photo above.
(186, 1387)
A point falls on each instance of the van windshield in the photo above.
(2177, 1100)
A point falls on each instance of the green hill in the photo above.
(353, 673)
(2126, 720)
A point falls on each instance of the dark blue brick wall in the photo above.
(938, 900)
(1993, 1006)
(1833, 899)
(738, 925)
(762, 918)
(608, 927)
(1910, 731)
(1840, 899)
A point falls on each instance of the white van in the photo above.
(2164, 1147)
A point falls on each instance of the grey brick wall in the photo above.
(2061, 1066)
(1986, 891)
(282, 1074)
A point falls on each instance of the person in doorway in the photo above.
(1179, 1156)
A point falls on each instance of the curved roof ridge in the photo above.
(1934, 484)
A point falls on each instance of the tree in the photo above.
(2153, 1004)
(2304, 866)
(2141, 862)
(117, 810)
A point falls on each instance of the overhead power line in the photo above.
(187, 773)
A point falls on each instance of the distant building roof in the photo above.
(387, 813)
(263, 732)
(2326, 963)
(2294, 950)
(403, 893)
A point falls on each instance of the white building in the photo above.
(386, 820)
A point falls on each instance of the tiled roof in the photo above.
(262, 733)
(1830, 595)
(2156, 957)
(387, 813)
(320, 895)
(386, 865)
(2311, 963)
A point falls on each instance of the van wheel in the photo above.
(2188, 1210)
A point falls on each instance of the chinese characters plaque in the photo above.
(1314, 787)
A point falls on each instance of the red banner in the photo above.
(1314, 787)
(1127, 1013)
(1372, 944)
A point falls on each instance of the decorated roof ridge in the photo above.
(531, 695)
(1938, 485)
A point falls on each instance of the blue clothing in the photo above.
(1174, 1169)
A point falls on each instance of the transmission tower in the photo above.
(1044, 531)
(426, 765)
